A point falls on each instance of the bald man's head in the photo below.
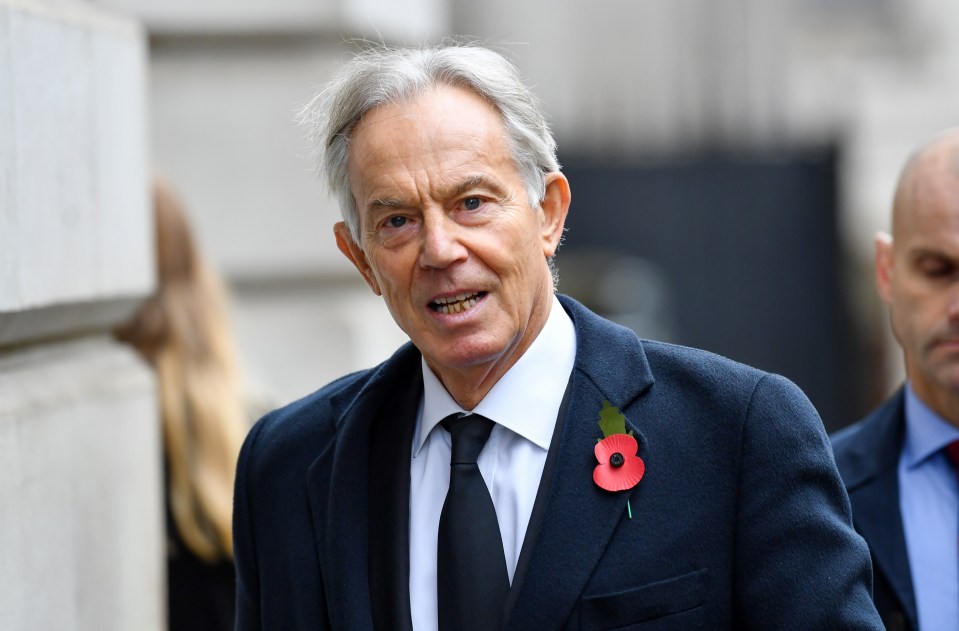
(917, 272)
(932, 170)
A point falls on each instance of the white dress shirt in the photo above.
(929, 504)
(524, 404)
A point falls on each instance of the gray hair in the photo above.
(389, 75)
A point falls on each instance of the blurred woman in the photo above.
(183, 332)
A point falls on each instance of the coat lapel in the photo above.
(338, 484)
(539, 505)
(389, 510)
(872, 480)
(580, 517)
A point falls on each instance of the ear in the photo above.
(884, 260)
(349, 248)
(555, 206)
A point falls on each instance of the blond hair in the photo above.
(183, 331)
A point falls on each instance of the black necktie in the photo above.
(472, 581)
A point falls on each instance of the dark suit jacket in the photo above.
(740, 522)
(867, 454)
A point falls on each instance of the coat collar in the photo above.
(608, 355)
(580, 517)
(875, 450)
(338, 485)
(869, 467)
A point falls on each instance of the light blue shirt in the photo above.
(929, 503)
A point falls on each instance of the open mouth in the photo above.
(457, 303)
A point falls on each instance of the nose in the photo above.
(442, 243)
(953, 308)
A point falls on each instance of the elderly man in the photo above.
(522, 463)
(899, 463)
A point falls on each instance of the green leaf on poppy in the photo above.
(611, 420)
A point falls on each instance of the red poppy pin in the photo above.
(619, 468)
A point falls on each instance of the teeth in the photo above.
(456, 298)
(456, 304)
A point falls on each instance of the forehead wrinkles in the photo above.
(423, 149)
(405, 183)
(379, 159)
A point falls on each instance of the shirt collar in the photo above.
(526, 400)
(926, 432)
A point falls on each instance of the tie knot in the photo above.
(952, 451)
(469, 433)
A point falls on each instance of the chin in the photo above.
(466, 354)
(946, 378)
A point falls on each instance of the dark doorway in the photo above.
(743, 251)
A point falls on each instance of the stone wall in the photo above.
(81, 524)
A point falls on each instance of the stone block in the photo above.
(81, 524)
(406, 21)
(75, 223)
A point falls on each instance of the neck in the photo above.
(945, 403)
(469, 385)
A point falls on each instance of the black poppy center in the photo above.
(617, 460)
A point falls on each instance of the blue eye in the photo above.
(397, 222)
(472, 203)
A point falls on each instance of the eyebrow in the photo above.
(471, 182)
(388, 202)
(476, 181)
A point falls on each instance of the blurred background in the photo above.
(729, 162)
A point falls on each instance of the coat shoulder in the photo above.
(725, 400)
(299, 431)
(706, 372)
(290, 438)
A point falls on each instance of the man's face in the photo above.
(918, 277)
(447, 235)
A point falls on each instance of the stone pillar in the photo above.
(81, 521)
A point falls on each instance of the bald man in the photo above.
(896, 462)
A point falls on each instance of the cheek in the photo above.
(907, 320)
(383, 277)
(917, 323)
(395, 272)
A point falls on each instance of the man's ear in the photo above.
(349, 248)
(555, 206)
(884, 261)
